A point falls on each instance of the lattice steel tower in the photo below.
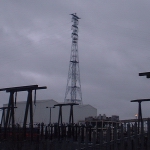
(73, 90)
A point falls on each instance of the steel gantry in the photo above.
(71, 118)
(12, 104)
(140, 119)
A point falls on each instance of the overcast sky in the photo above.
(114, 46)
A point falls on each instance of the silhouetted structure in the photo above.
(140, 119)
(11, 106)
(73, 90)
(71, 120)
(147, 74)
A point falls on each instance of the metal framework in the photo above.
(10, 116)
(73, 90)
(140, 119)
(71, 118)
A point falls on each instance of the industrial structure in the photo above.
(47, 124)
(73, 90)
(52, 114)
(101, 122)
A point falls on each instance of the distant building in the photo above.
(115, 118)
(42, 114)
(102, 117)
(102, 122)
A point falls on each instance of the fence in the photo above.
(75, 137)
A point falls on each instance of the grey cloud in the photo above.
(35, 46)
